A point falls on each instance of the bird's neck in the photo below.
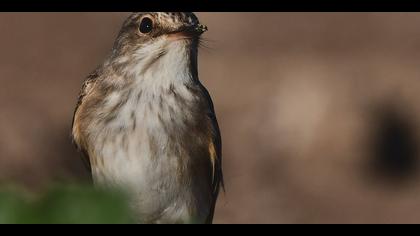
(168, 62)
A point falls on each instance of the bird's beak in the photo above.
(189, 31)
(194, 30)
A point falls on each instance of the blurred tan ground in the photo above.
(294, 95)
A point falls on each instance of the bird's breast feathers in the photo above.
(161, 146)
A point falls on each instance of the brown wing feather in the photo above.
(215, 151)
(86, 87)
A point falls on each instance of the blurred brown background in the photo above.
(318, 111)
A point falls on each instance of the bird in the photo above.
(147, 125)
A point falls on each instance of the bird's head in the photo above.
(146, 37)
(145, 27)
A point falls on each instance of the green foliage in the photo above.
(64, 204)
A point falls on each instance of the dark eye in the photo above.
(146, 25)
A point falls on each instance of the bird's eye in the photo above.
(146, 25)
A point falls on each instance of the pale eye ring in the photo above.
(146, 25)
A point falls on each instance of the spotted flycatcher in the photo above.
(147, 125)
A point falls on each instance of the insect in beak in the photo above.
(200, 29)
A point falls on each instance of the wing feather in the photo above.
(215, 154)
(86, 88)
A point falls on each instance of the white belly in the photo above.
(143, 158)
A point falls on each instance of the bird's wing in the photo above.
(215, 151)
(86, 88)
